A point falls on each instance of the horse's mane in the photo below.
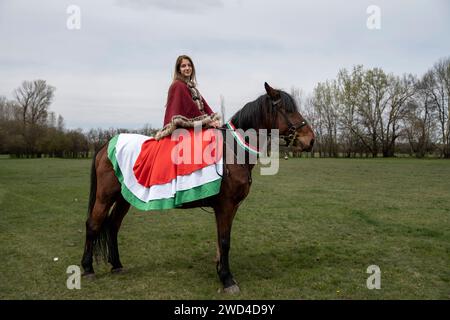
(254, 113)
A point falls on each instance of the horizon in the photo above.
(115, 69)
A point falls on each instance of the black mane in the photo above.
(254, 114)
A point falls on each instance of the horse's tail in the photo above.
(102, 245)
(93, 190)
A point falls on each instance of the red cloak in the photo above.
(179, 102)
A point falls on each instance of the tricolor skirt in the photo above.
(164, 174)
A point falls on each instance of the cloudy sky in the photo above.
(115, 70)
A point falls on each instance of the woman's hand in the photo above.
(215, 124)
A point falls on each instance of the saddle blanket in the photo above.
(166, 173)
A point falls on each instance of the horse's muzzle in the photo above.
(305, 147)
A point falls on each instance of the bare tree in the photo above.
(373, 103)
(419, 124)
(438, 87)
(11, 139)
(400, 91)
(309, 112)
(326, 103)
(33, 99)
(350, 98)
(9, 110)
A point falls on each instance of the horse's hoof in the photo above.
(118, 271)
(88, 275)
(234, 289)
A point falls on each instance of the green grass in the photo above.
(309, 232)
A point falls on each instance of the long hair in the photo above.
(176, 73)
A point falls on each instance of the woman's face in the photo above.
(186, 68)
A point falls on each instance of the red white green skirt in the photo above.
(166, 173)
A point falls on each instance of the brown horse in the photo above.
(274, 110)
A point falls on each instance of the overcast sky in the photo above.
(115, 70)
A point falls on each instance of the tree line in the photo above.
(361, 113)
(28, 128)
(367, 112)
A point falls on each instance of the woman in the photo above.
(185, 105)
(164, 173)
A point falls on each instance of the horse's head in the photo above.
(285, 117)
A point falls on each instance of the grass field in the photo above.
(309, 232)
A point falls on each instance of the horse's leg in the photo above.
(224, 220)
(103, 194)
(119, 211)
(217, 258)
(94, 225)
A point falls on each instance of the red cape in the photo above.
(179, 102)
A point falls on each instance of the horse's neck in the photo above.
(250, 166)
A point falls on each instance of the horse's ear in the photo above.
(271, 91)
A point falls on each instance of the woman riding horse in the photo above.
(108, 202)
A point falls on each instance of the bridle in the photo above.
(292, 129)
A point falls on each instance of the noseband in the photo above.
(292, 129)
